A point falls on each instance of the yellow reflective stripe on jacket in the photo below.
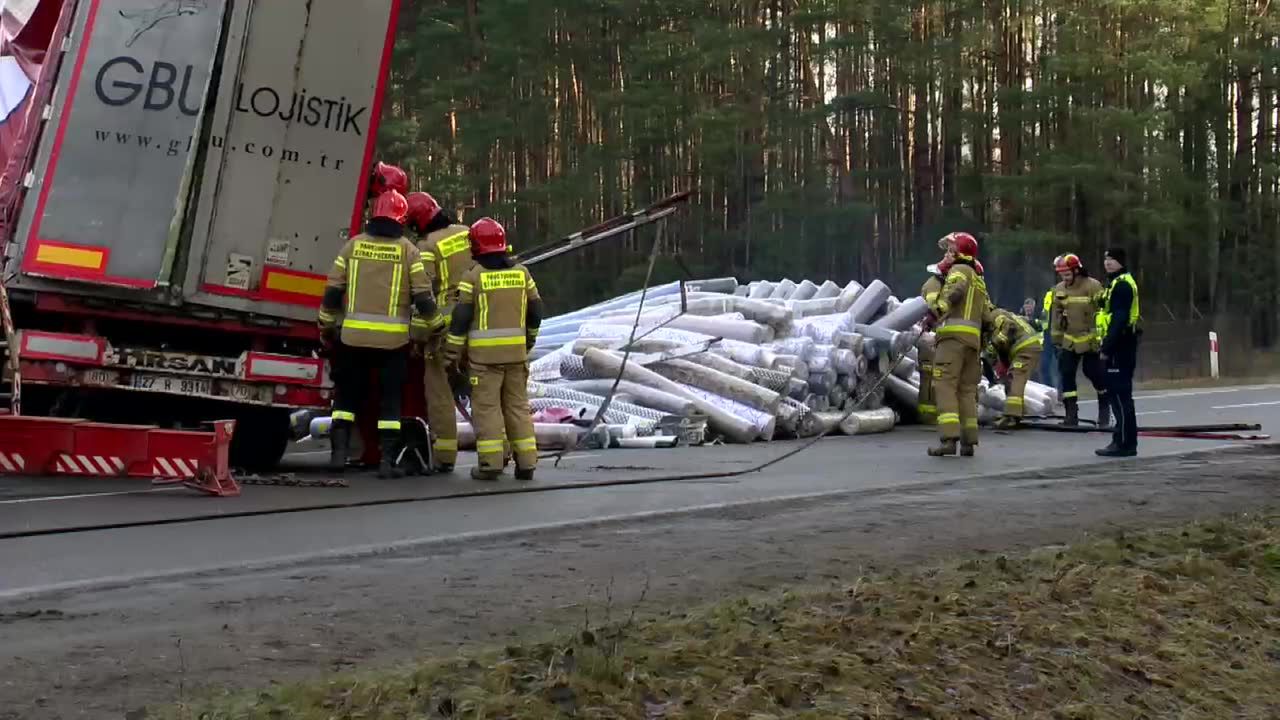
(340, 262)
(397, 277)
(1033, 340)
(449, 247)
(931, 298)
(455, 339)
(1081, 338)
(496, 338)
(960, 326)
(353, 276)
(375, 323)
(482, 307)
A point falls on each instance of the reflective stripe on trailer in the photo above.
(88, 465)
(175, 467)
(12, 462)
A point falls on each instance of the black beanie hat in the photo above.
(1118, 254)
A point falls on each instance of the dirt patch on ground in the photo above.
(110, 653)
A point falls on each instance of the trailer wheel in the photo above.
(260, 440)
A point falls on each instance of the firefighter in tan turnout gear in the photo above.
(446, 253)
(496, 320)
(374, 281)
(926, 406)
(1073, 325)
(1016, 344)
(959, 309)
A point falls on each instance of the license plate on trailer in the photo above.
(104, 378)
(169, 384)
(244, 392)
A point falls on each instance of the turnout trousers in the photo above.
(926, 406)
(351, 380)
(440, 410)
(956, 373)
(500, 402)
(1069, 361)
(1021, 369)
(1119, 379)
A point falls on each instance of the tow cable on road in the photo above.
(1224, 431)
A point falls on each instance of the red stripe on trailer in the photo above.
(375, 117)
(30, 263)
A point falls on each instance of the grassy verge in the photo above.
(1183, 623)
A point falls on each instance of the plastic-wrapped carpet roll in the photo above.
(804, 291)
(642, 395)
(563, 393)
(762, 290)
(828, 289)
(897, 342)
(784, 289)
(844, 361)
(799, 346)
(572, 368)
(905, 315)
(903, 391)
(607, 364)
(764, 424)
(869, 302)
(865, 422)
(849, 296)
(906, 369)
(848, 340)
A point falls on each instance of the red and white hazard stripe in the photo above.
(12, 462)
(89, 465)
(175, 467)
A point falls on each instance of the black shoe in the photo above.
(388, 469)
(524, 474)
(1116, 452)
(967, 450)
(442, 468)
(339, 446)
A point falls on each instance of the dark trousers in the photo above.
(1069, 362)
(1049, 362)
(1119, 379)
(352, 368)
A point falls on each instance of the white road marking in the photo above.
(1244, 405)
(1157, 412)
(53, 498)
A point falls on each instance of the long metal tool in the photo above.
(611, 228)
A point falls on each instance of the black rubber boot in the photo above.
(1073, 413)
(478, 473)
(524, 474)
(967, 450)
(339, 446)
(390, 447)
(442, 468)
(944, 448)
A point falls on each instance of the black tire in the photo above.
(261, 439)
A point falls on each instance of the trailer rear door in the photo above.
(288, 155)
(111, 185)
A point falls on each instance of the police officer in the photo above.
(446, 253)
(926, 406)
(1074, 327)
(959, 309)
(1015, 343)
(496, 319)
(375, 279)
(1122, 328)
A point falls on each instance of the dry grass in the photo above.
(1174, 624)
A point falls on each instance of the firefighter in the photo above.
(496, 319)
(1121, 330)
(959, 309)
(375, 279)
(1076, 302)
(1015, 344)
(926, 408)
(386, 177)
(446, 253)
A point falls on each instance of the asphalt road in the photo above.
(453, 511)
